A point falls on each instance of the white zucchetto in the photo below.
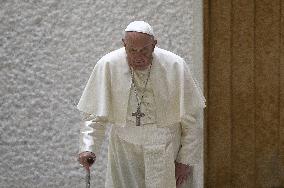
(141, 27)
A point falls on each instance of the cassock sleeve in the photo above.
(92, 133)
(191, 141)
(94, 106)
(192, 103)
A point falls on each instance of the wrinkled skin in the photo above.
(182, 173)
(139, 48)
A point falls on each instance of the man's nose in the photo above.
(139, 56)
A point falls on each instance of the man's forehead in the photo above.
(136, 36)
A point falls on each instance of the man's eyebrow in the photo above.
(141, 47)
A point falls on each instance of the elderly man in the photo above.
(150, 99)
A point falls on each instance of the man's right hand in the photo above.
(86, 159)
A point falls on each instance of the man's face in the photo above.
(139, 48)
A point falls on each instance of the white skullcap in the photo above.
(141, 27)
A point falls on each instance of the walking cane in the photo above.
(88, 172)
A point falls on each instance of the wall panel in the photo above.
(219, 130)
(244, 61)
(242, 103)
(267, 39)
(281, 98)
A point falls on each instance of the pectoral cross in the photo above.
(138, 114)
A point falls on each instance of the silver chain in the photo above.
(134, 86)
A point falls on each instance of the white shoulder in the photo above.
(168, 58)
(113, 57)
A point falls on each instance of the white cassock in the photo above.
(142, 157)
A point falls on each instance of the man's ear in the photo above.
(155, 42)
(123, 42)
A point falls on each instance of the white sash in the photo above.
(158, 152)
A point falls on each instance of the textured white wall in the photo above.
(48, 49)
(198, 72)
